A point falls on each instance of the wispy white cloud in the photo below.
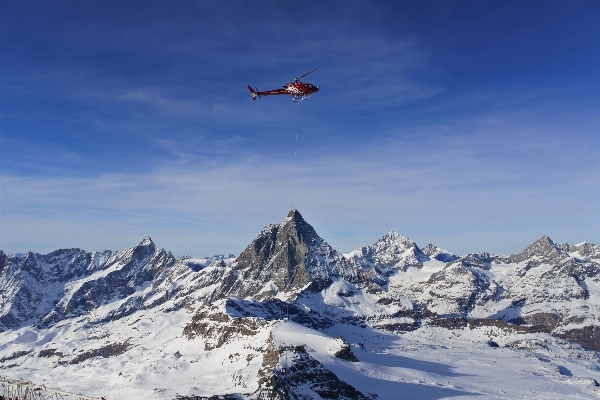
(438, 193)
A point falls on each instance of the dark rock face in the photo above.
(588, 337)
(106, 351)
(277, 383)
(477, 322)
(2, 261)
(50, 353)
(278, 257)
(292, 257)
(549, 320)
(277, 310)
(15, 355)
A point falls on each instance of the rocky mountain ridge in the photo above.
(289, 275)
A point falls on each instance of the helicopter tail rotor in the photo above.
(253, 92)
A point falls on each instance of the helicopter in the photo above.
(299, 90)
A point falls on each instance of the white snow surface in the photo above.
(435, 363)
(430, 363)
(160, 363)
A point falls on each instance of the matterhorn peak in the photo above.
(291, 256)
(293, 217)
(147, 241)
(298, 228)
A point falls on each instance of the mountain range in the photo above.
(292, 318)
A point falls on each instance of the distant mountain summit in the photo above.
(391, 251)
(543, 250)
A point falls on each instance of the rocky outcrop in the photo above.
(291, 373)
(215, 327)
(106, 351)
(588, 337)
(344, 352)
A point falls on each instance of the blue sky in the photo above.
(472, 125)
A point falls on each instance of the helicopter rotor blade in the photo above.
(302, 76)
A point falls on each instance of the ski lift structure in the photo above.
(20, 389)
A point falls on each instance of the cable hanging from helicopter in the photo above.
(297, 89)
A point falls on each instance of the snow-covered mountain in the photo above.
(291, 318)
(44, 289)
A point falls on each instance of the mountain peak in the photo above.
(397, 238)
(391, 251)
(543, 250)
(291, 256)
(147, 241)
(546, 243)
(393, 234)
(545, 239)
(293, 216)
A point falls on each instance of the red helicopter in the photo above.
(298, 90)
